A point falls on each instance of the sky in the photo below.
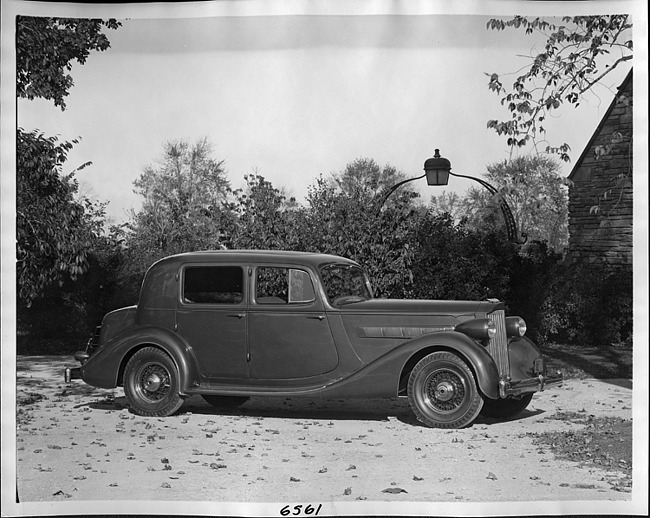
(293, 96)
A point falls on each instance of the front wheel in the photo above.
(151, 383)
(505, 408)
(442, 391)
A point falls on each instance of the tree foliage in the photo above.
(262, 218)
(182, 196)
(577, 55)
(536, 194)
(534, 191)
(54, 231)
(46, 49)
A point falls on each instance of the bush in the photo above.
(589, 305)
(454, 262)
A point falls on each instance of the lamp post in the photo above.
(437, 170)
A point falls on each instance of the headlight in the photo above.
(515, 326)
(479, 329)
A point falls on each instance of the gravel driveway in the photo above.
(76, 443)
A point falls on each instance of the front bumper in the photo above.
(525, 386)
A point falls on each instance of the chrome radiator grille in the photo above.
(498, 346)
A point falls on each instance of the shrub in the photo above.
(589, 305)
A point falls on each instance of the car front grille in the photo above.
(498, 346)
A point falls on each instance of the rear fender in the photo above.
(475, 355)
(105, 367)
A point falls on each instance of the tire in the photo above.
(505, 408)
(442, 391)
(151, 383)
(224, 401)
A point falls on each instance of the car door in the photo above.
(211, 317)
(288, 332)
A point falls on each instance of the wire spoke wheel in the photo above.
(442, 391)
(151, 383)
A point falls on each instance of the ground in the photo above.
(76, 443)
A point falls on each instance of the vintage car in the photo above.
(229, 325)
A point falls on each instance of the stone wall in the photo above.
(600, 195)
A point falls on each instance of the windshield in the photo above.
(343, 281)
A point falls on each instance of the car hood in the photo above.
(422, 306)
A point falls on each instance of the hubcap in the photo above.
(153, 382)
(444, 391)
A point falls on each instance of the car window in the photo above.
(213, 285)
(283, 286)
(341, 280)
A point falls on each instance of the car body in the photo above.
(229, 325)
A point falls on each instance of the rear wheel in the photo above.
(504, 408)
(224, 401)
(151, 383)
(442, 391)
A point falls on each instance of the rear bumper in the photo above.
(72, 374)
(525, 386)
(75, 373)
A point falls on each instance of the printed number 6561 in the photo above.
(300, 510)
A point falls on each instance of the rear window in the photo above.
(213, 285)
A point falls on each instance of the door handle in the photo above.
(317, 317)
(238, 315)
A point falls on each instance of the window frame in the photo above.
(183, 281)
(288, 303)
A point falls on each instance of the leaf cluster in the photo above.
(46, 49)
(55, 231)
(577, 55)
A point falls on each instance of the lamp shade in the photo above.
(437, 169)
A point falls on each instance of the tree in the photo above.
(577, 55)
(343, 217)
(54, 231)
(450, 203)
(182, 200)
(46, 48)
(262, 217)
(535, 192)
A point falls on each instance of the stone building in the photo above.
(600, 190)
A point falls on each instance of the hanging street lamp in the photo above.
(437, 170)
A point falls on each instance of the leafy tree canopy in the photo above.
(46, 49)
(535, 192)
(182, 198)
(55, 232)
(577, 55)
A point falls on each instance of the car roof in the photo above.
(247, 256)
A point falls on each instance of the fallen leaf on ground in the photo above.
(394, 490)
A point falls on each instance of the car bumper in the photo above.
(526, 386)
(75, 373)
(72, 374)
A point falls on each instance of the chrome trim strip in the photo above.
(498, 346)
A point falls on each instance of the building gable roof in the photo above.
(586, 149)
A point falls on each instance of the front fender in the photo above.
(103, 369)
(480, 361)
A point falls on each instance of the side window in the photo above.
(213, 285)
(283, 286)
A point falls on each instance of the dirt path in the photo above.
(78, 443)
